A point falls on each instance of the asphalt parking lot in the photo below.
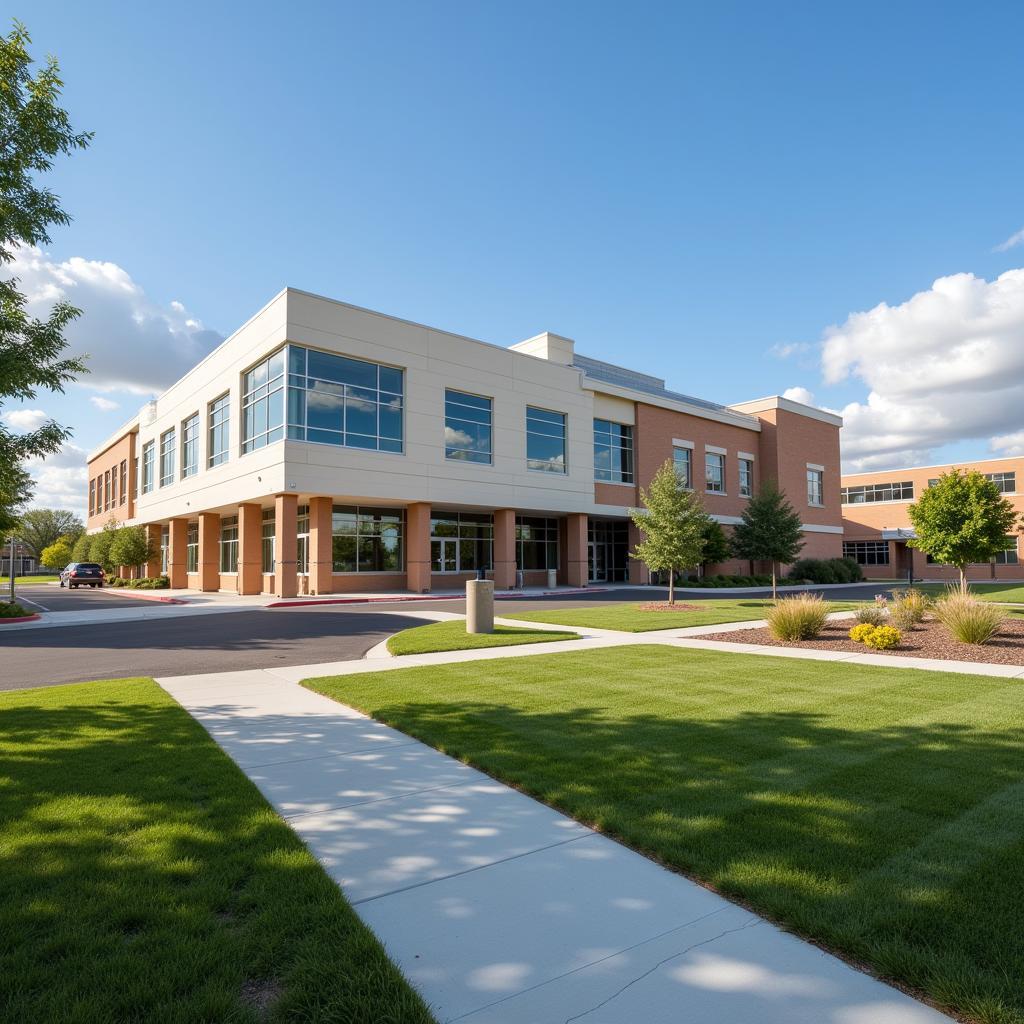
(51, 598)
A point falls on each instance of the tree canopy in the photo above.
(131, 546)
(41, 527)
(769, 530)
(34, 129)
(961, 520)
(672, 521)
(58, 554)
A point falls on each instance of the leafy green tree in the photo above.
(41, 527)
(716, 544)
(961, 520)
(100, 544)
(58, 554)
(131, 546)
(770, 531)
(34, 129)
(80, 550)
(15, 491)
(672, 521)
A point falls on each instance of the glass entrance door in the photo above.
(444, 555)
(598, 562)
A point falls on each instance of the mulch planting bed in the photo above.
(664, 606)
(929, 640)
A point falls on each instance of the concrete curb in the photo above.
(128, 592)
(20, 618)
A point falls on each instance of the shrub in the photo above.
(862, 631)
(854, 569)
(12, 610)
(826, 570)
(871, 615)
(798, 618)
(967, 619)
(908, 608)
(883, 638)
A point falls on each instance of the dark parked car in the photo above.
(82, 574)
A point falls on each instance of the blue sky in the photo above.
(687, 189)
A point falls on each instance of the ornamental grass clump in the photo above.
(908, 608)
(797, 618)
(871, 614)
(968, 619)
(883, 638)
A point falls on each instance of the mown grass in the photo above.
(632, 618)
(144, 878)
(22, 580)
(1012, 593)
(878, 811)
(452, 636)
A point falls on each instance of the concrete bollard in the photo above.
(480, 606)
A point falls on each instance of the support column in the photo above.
(154, 533)
(209, 551)
(250, 548)
(638, 572)
(504, 549)
(178, 554)
(576, 543)
(321, 554)
(286, 514)
(417, 547)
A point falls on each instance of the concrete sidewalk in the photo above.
(499, 909)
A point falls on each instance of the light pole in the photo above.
(12, 569)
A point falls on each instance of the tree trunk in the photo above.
(775, 592)
(671, 586)
(963, 578)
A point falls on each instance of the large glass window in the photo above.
(545, 440)
(229, 544)
(165, 549)
(267, 538)
(536, 542)
(148, 466)
(1009, 556)
(1006, 483)
(167, 445)
(367, 539)
(349, 402)
(124, 481)
(219, 419)
(815, 487)
(682, 459)
(714, 472)
(263, 403)
(461, 542)
(613, 452)
(135, 474)
(192, 548)
(746, 477)
(302, 540)
(867, 552)
(467, 427)
(190, 446)
(866, 493)
(92, 496)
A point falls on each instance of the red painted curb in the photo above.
(429, 597)
(21, 618)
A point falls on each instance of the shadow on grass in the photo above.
(899, 846)
(142, 877)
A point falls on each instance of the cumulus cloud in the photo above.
(25, 420)
(60, 479)
(1008, 444)
(134, 343)
(799, 394)
(103, 404)
(1017, 238)
(946, 365)
(784, 350)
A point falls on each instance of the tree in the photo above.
(769, 531)
(15, 490)
(131, 546)
(716, 545)
(80, 550)
(58, 554)
(672, 522)
(33, 130)
(962, 519)
(101, 543)
(41, 527)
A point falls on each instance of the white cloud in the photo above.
(946, 365)
(25, 419)
(784, 350)
(103, 404)
(1008, 444)
(61, 480)
(134, 343)
(1017, 238)
(799, 394)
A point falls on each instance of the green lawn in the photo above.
(452, 636)
(143, 878)
(631, 619)
(1010, 592)
(20, 581)
(877, 811)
